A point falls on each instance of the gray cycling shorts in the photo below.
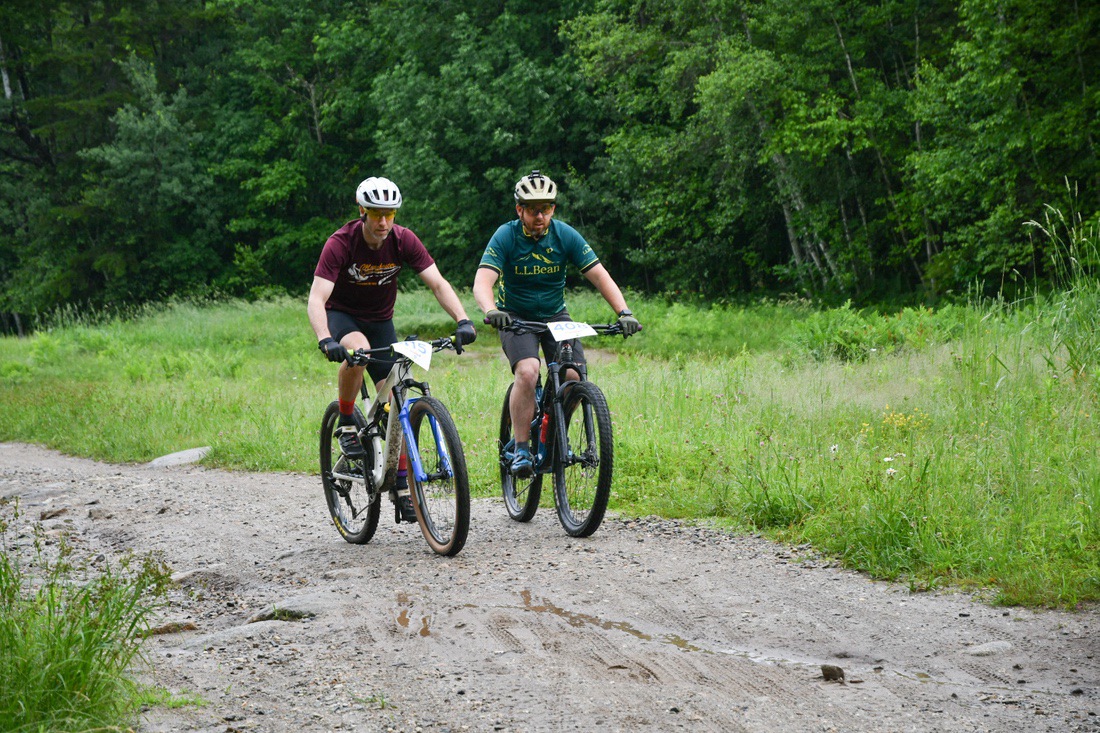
(519, 346)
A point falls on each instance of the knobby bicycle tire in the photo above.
(582, 478)
(353, 505)
(521, 496)
(442, 502)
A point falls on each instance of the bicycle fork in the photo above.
(567, 455)
(412, 450)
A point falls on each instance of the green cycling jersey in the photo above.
(532, 271)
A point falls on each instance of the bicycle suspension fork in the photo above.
(412, 450)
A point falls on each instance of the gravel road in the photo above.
(649, 625)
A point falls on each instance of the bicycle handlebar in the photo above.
(520, 327)
(362, 357)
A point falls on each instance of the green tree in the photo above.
(290, 131)
(1010, 115)
(715, 146)
(476, 94)
(685, 194)
(62, 86)
(148, 216)
(709, 108)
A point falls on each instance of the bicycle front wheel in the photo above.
(582, 477)
(442, 500)
(521, 496)
(353, 504)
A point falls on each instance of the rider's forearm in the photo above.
(485, 304)
(319, 294)
(608, 289)
(448, 300)
(483, 289)
(318, 318)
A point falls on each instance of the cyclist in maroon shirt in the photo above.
(352, 298)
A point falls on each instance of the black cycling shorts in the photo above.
(526, 345)
(378, 333)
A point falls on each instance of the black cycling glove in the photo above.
(333, 349)
(465, 333)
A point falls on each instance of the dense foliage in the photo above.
(718, 147)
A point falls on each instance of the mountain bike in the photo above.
(571, 437)
(396, 421)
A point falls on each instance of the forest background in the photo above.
(840, 149)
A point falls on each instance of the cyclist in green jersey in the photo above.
(522, 275)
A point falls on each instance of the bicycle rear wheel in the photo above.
(352, 502)
(442, 502)
(521, 496)
(582, 477)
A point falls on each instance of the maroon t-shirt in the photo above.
(366, 279)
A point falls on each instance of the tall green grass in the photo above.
(956, 446)
(1070, 316)
(69, 635)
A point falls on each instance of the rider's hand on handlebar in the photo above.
(333, 349)
(498, 318)
(629, 324)
(464, 334)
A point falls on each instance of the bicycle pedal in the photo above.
(350, 445)
(403, 509)
(336, 486)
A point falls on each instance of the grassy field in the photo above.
(956, 446)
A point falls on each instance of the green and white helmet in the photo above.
(535, 188)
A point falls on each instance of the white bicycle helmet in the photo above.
(378, 193)
(535, 188)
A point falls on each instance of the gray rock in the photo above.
(990, 649)
(183, 576)
(180, 458)
(299, 607)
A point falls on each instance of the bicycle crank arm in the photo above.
(339, 476)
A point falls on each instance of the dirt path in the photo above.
(646, 626)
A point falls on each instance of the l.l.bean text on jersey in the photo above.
(537, 270)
